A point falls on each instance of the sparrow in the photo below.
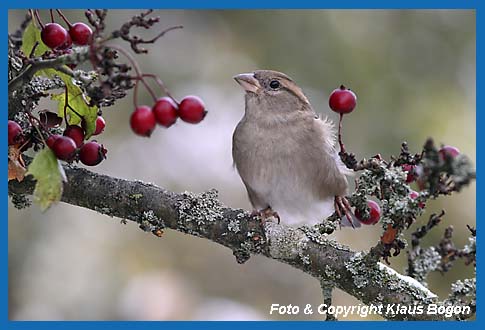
(285, 154)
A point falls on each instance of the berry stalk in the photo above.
(340, 142)
(64, 18)
(139, 75)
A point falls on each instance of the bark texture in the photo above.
(203, 215)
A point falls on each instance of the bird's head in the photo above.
(272, 92)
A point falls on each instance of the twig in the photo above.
(34, 47)
(161, 34)
(40, 64)
(417, 235)
(66, 102)
(140, 21)
(327, 288)
(137, 70)
(161, 84)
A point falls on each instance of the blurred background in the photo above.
(414, 74)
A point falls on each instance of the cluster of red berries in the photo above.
(55, 36)
(70, 146)
(165, 112)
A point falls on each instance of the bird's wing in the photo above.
(331, 179)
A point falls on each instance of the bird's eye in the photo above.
(274, 84)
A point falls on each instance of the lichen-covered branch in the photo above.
(203, 215)
(422, 261)
(40, 64)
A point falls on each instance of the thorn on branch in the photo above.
(417, 235)
(449, 253)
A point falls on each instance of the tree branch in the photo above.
(40, 64)
(203, 215)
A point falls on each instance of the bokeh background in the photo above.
(414, 74)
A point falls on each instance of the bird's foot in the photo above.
(266, 214)
(342, 207)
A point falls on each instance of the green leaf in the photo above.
(49, 174)
(31, 35)
(79, 103)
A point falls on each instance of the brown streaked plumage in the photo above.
(284, 152)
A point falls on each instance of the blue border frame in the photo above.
(239, 4)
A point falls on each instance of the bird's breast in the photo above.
(272, 160)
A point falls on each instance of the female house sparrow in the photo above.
(285, 153)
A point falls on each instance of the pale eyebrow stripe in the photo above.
(298, 92)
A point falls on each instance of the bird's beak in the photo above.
(248, 82)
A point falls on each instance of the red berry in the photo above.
(142, 121)
(80, 33)
(64, 148)
(92, 153)
(76, 133)
(53, 35)
(165, 111)
(192, 109)
(448, 152)
(67, 44)
(411, 170)
(51, 140)
(100, 125)
(14, 133)
(342, 100)
(374, 214)
(413, 195)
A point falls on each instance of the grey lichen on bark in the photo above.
(203, 215)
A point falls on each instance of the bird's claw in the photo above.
(265, 214)
(342, 205)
